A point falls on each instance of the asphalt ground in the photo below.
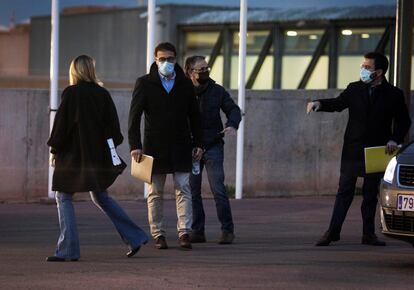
(274, 249)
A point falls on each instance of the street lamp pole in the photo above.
(54, 78)
(150, 49)
(241, 97)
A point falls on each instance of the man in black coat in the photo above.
(172, 129)
(378, 116)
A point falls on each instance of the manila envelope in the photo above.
(143, 169)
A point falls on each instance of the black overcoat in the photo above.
(172, 121)
(86, 118)
(373, 120)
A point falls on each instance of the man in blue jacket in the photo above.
(211, 98)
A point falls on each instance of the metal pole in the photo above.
(54, 77)
(150, 49)
(403, 47)
(150, 33)
(241, 98)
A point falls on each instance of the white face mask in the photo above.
(366, 75)
(166, 68)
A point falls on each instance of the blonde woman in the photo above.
(85, 133)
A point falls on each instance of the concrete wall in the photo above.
(286, 151)
(23, 131)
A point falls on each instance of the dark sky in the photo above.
(24, 9)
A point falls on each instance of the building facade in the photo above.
(286, 49)
(14, 57)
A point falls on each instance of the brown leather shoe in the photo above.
(327, 238)
(226, 238)
(372, 240)
(185, 242)
(161, 243)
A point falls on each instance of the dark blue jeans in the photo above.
(213, 162)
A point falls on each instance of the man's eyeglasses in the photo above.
(201, 70)
(367, 67)
(169, 59)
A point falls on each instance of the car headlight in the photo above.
(389, 172)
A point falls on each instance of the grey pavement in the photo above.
(274, 249)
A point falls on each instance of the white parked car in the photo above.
(397, 196)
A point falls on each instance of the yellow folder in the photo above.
(376, 160)
(143, 169)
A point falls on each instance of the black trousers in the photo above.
(344, 197)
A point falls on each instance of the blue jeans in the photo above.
(213, 162)
(68, 243)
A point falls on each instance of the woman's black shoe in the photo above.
(133, 252)
(59, 259)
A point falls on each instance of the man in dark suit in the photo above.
(172, 129)
(378, 116)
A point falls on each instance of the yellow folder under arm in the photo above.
(376, 160)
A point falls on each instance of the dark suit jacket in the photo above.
(373, 120)
(172, 121)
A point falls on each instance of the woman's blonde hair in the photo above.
(82, 68)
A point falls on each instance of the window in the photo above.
(202, 43)
(299, 45)
(412, 66)
(255, 43)
(352, 45)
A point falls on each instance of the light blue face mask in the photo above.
(166, 68)
(366, 75)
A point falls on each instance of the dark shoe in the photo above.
(185, 242)
(59, 259)
(327, 238)
(161, 243)
(226, 238)
(133, 252)
(197, 238)
(372, 240)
